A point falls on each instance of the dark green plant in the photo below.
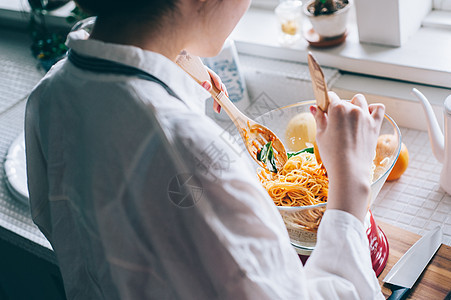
(46, 45)
(49, 44)
(327, 7)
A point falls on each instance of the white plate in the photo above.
(16, 169)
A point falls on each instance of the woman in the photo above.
(117, 132)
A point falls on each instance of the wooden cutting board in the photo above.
(434, 282)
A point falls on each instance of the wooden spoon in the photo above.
(319, 83)
(254, 135)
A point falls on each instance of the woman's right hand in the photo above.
(218, 84)
(347, 136)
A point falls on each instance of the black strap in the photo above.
(99, 65)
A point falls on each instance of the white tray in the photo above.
(16, 169)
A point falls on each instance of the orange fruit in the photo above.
(401, 164)
(385, 149)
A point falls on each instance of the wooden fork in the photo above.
(254, 135)
(318, 82)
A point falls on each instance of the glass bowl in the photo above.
(302, 236)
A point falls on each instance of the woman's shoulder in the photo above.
(47, 84)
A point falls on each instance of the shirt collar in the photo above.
(153, 63)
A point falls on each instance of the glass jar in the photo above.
(289, 16)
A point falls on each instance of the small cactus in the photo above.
(327, 7)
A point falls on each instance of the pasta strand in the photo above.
(301, 182)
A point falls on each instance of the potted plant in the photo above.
(48, 44)
(328, 17)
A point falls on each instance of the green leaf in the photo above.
(271, 164)
(308, 150)
(264, 152)
(266, 155)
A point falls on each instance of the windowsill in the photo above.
(438, 19)
(423, 59)
(16, 13)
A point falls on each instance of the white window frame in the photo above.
(437, 4)
(442, 5)
(440, 16)
(257, 35)
(17, 14)
(421, 60)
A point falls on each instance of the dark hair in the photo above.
(145, 8)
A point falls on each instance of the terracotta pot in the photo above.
(329, 26)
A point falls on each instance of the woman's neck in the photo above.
(159, 39)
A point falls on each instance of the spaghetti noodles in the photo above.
(304, 182)
(301, 182)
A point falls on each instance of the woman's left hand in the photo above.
(218, 84)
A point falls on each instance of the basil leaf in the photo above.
(266, 155)
(308, 150)
(263, 155)
(272, 161)
(259, 155)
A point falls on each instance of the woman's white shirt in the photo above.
(142, 196)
